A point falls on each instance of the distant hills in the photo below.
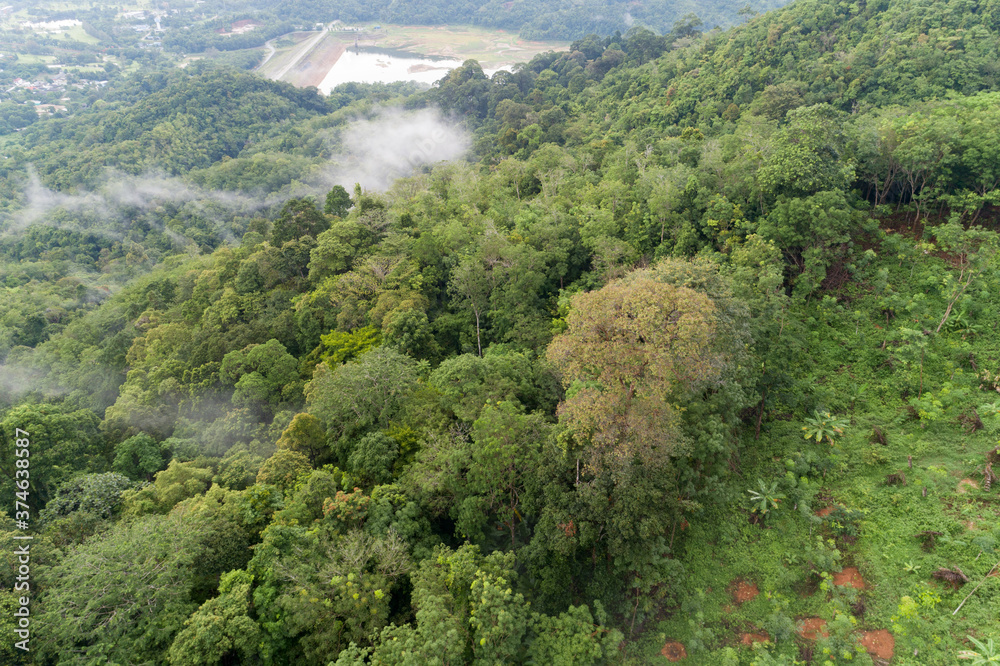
(541, 19)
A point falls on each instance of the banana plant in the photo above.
(765, 499)
(823, 426)
(986, 653)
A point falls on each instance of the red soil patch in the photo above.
(743, 591)
(879, 643)
(813, 628)
(965, 484)
(750, 639)
(674, 651)
(849, 576)
(825, 511)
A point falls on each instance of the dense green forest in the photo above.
(695, 357)
(542, 19)
(205, 27)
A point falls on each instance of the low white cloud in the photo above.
(392, 145)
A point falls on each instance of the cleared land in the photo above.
(304, 59)
(492, 48)
(286, 49)
(303, 53)
(77, 33)
(31, 59)
(313, 68)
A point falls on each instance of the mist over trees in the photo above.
(663, 318)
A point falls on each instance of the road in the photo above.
(270, 51)
(306, 48)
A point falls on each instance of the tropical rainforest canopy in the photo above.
(699, 316)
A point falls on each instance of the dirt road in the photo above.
(270, 52)
(302, 52)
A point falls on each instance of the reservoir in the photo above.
(379, 65)
(340, 54)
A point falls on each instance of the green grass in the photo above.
(77, 33)
(847, 373)
(489, 47)
(29, 59)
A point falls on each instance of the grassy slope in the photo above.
(492, 48)
(846, 369)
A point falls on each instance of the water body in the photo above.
(375, 65)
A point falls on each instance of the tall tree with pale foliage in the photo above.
(631, 352)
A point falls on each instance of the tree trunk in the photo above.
(479, 341)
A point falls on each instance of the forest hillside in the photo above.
(676, 347)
